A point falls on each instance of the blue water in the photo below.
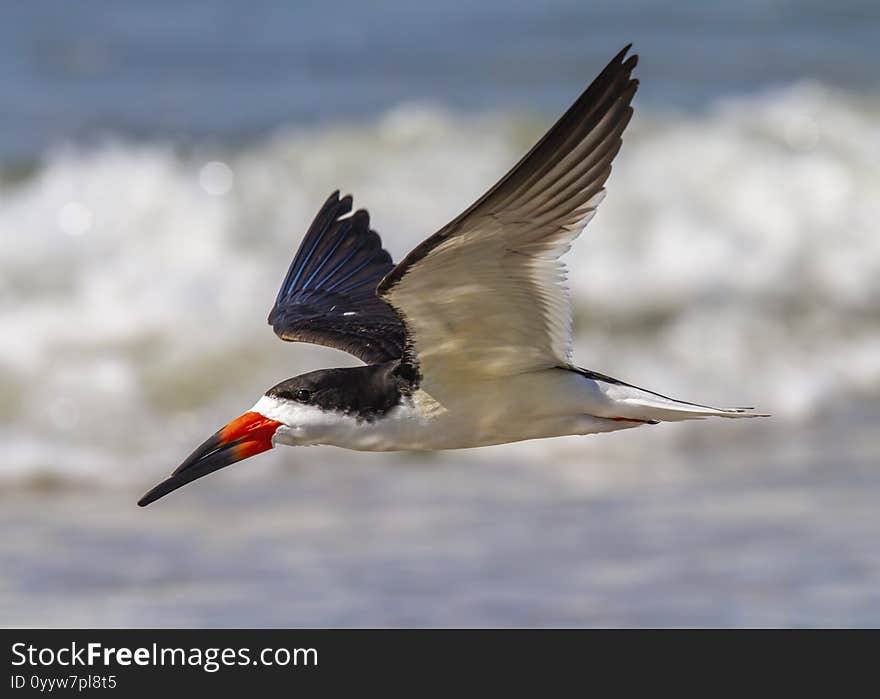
(197, 71)
(735, 261)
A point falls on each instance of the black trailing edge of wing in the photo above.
(329, 294)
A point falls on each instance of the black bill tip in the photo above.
(211, 456)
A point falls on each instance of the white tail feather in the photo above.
(639, 404)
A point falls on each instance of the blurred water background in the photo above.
(159, 163)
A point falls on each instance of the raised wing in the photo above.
(486, 295)
(329, 294)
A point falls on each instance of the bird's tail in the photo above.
(634, 403)
(651, 407)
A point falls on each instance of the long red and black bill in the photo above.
(245, 436)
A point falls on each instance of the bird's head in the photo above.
(306, 409)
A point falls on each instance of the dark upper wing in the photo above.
(562, 170)
(329, 294)
(487, 294)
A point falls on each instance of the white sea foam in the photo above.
(735, 260)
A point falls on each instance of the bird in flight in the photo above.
(467, 340)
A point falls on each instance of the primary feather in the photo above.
(329, 294)
(487, 295)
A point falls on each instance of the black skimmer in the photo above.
(466, 341)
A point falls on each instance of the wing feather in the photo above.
(486, 294)
(328, 296)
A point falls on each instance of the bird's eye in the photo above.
(303, 395)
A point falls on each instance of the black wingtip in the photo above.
(336, 206)
(341, 208)
(631, 61)
(622, 54)
(360, 221)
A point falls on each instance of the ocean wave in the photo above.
(735, 260)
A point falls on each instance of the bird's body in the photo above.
(546, 403)
(467, 341)
(370, 408)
